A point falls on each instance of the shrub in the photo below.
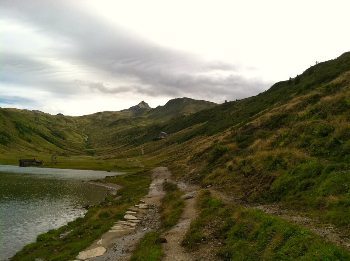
(4, 138)
(217, 152)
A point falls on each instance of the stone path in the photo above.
(119, 242)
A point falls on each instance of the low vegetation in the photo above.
(236, 233)
(149, 248)
(172, 205)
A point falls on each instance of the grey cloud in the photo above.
(101, 87)
(150, 69)
(26, 72)
(15, 100)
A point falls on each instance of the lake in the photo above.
(35, 200)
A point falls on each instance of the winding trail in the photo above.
(120, 241)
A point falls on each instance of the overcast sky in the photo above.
(83, 56)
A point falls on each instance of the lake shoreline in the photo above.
(112, 188)
(48, 193)
(67, 241)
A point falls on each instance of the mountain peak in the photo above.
(143, 105)
(139, 108)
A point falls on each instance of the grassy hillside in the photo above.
(292, 150)
(289, 146)
(246, 234)
(22, 130)
(25, 133)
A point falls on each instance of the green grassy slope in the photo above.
(22, 130)
(247, 234)
(294, 151)
(288, 145)
(30, 133)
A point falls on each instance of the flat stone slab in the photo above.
(98, 251)
(122, 222)
(189, 195)
(128, 216)
(130, 212)
(117, 227)
(143, 206)
(134, 220)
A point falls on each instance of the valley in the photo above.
(255, 161)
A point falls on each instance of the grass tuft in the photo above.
(246, 234)
(172, 205)
(149, 248)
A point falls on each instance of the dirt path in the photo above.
(120, 241)
(327, 232)
(173, 251)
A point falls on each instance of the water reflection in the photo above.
(31, 204)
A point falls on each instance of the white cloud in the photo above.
(112, 54)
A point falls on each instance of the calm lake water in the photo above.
(35, 200)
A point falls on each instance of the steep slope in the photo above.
(35, 131)
(237, 112)
(289, 145)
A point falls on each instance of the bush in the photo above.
(4, 138)
(217, 152)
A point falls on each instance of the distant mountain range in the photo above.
(36, 131)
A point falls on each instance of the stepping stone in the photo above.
(121, 229)
(130, 212)
(127, 217)
(117, 227)
(143, 206)
(129, 224)
(188, 195)
(132, 224)
(117, 230)
(98, 251)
